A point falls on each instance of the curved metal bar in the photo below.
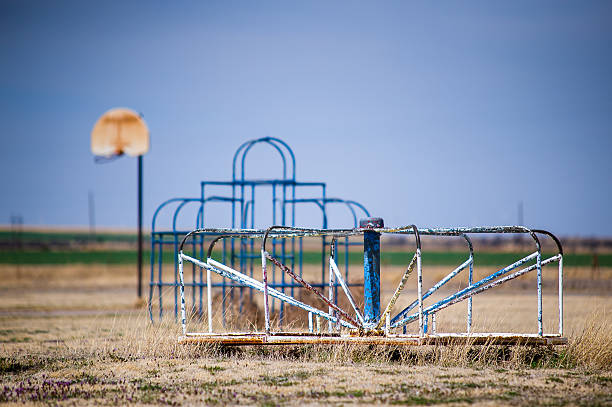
(267, 141)
(240, 148)
(165, 203)
(470, 281)
(289, 150)
(246, 211)
(182, 200)
(469, 242)
(539, 281)
(360, 206)
(553, 237)
(212, 245)
(347, 204)
(417, 236)
(536, 240)
(560, 278)
(179, 208)
(315, 201)
(274, 142)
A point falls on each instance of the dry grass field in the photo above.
(74, 335)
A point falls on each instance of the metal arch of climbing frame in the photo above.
(157, 241)
(274, 142)
(242, 206)
(385, 337)
(242, 152)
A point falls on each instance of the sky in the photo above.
(433, 113)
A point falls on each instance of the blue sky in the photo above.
(438, 114)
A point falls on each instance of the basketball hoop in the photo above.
(123, 131)
(119, 131)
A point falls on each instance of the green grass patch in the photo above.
(54, 237)
(387, 258)
(76, 257)
(213, 369)
(14, 366)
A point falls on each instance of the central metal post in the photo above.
(371, 269)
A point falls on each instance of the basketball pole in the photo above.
(109, 142)
(140, 226)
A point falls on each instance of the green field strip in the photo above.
(394, 258)
(55, 237)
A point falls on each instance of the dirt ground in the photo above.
(75, 335)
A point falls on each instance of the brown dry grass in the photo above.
(110, 359)
(73, 337)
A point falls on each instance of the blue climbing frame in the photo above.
(287, 195)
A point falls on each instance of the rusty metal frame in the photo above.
(355, 330)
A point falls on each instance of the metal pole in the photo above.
(331, 287)
(209, 300)
(371, 269)
(539, 280)
(139, 226)
(182, 286)
(265, 282)
(470, 282)
(561, 295)
(420, 291)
